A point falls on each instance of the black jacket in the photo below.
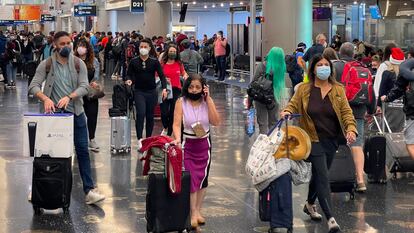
(387, 82)
(399, 89)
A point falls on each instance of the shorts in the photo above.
(409, 132)
(360, 127)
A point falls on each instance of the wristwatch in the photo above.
(69, 97)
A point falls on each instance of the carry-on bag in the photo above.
(399, 160)
(375, 155)
(342, 172)
(167, 211)
(120, 134)
(51, 183)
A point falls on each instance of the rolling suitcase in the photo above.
(396, 151)
(51, 183)
(342, 172)
(120, 134)
(167, 212)
(375, 155)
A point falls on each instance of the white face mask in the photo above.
(82, 50)
(143, 51)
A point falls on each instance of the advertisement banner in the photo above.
(27, 12)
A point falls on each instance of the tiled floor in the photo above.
(231, 203)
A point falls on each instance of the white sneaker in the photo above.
(93, 145)
(333, 226)
(164, 132)
(93, 197)
(114, 77)
(139, 144)
(29, 196)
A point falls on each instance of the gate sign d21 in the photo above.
(137, 6)
(84, 10)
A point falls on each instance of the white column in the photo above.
(157, 18)
(276, 32)
(113, 21)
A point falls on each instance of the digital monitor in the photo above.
(322, 13)
(375, 12)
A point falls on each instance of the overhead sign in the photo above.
(84, 10)
(238, 8)
(12, 22)
(137, 6)
(47, 18)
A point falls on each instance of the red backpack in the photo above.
(358, 83)
(130, 51)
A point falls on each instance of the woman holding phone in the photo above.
(196, 111)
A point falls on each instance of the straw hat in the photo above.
(299, 144)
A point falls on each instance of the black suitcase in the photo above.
(342, 172)
(264, 204)
(375, 154)
(51, 183)
(167, 212)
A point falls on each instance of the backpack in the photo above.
(358, 83)
(186, 64)
(291, 63)
(261, 90)
(228, 50)
(130, 51)
(117, 49)
(121, 98)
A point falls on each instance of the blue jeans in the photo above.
(11, 73)
(221, 65)
(82, 152)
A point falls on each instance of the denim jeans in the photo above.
(82, 152)
(11, 73)
(221, 65)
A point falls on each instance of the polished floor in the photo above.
(231, 203)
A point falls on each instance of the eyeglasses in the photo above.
(143, 65)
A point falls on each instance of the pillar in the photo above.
(113, 19)
(157, 18)
(287, 22)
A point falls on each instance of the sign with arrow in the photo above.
(47, 18)
(84, 10)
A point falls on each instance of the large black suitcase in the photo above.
(342, 172)
(167, 212)
(51, 183)
(375, 154)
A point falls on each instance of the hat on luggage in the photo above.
(299, 144)
(397, 56)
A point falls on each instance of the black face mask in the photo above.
(65, 51)
(195, 97)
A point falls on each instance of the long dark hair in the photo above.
(387, 51)
(90, 56)
(165, 54)
(311, 72)
(188, 81)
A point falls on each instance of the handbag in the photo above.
(96, 92)
(261, 165)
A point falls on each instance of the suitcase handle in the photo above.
(384, 121)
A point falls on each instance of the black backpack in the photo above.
(228, 50)
(291, 63)
(121, 98)
(261, 90)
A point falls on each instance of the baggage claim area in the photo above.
(127, 190)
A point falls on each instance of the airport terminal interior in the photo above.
(231, 203)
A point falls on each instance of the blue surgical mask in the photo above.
(323, 72)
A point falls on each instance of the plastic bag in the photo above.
(251, 122)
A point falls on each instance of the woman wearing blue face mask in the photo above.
(326, 115)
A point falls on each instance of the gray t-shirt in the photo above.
(63, 85)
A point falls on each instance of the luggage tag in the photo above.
(199, 129)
